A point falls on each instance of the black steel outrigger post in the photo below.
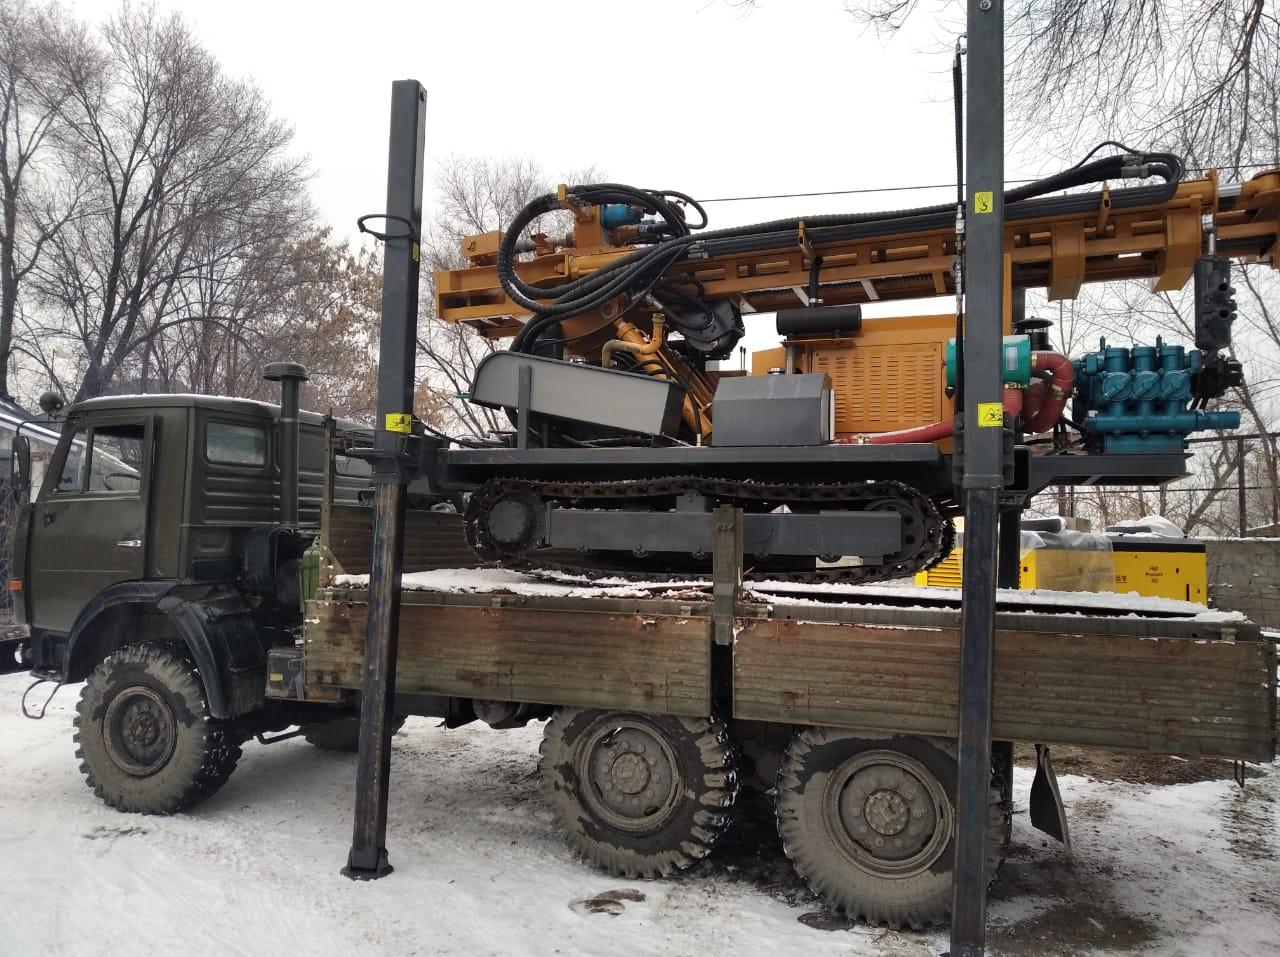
(983, 461)
(392, 472)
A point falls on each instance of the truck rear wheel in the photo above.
(870, 824)
(145, 738)
(639, 796)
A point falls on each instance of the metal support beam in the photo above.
(396, 352)
(1009, 570)
(983, 461)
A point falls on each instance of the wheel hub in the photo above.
(633, 776)
(630, 773)
(142, 728)
(888, 812)
(139, 731)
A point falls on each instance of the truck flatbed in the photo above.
(1083, 669)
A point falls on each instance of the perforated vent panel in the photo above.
(882, 388)
(945, 574)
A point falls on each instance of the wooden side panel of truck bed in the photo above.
(586, 658)
(1165, 695)
(1169, 687)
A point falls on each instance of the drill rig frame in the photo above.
(840, 443)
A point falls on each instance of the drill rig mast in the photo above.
(838, 446)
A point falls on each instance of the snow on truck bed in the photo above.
(895, 594)
(479, 869)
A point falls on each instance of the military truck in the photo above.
(160, 561)
(201, 565)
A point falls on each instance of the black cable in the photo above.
(957, 90)
(1117, 144)
(529, 331)
(673, 379)
(871, 190)
(690, 201)
(465, 443)
(671, 291)
(643, 267)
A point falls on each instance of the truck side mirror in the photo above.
(20, 468)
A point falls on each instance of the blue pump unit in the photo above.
(1135, 398)
(620, 214)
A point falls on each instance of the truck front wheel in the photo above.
(145, 738)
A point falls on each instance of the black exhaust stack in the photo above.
(290, 375)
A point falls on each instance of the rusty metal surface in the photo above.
(432, 540)
(481, 649)
(1163, 695)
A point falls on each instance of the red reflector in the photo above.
(15, 584)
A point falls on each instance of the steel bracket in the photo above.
(726, 570)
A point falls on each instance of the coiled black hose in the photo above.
(640, 270)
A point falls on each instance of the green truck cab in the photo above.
(154, 563)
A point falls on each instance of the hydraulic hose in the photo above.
(645, 266)
(934, 431)
(1044, 402)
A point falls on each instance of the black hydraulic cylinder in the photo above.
(983, 464)
(396, 352)
(290, 375)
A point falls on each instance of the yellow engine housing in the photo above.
(890, 375)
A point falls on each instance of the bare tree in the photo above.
(34, 203)
(319, 305)
(476, 196)
(190, 178)
(1197, 77)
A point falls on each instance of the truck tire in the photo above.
(639, 796)
(145, 738)
(342, 734)
(870, 824)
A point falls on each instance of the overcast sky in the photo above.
(682, 94)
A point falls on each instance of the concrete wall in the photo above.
(1244, 575)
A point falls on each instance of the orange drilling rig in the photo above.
(838, 444)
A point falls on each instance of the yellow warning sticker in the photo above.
(401, 422)
(984, 202)
(990, 415)
(413, 251)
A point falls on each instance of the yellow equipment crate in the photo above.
(1160, 568)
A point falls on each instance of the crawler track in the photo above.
(927, 534)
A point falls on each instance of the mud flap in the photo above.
(229, 646)
(1047, 813)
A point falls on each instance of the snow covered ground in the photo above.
(1175, 869)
